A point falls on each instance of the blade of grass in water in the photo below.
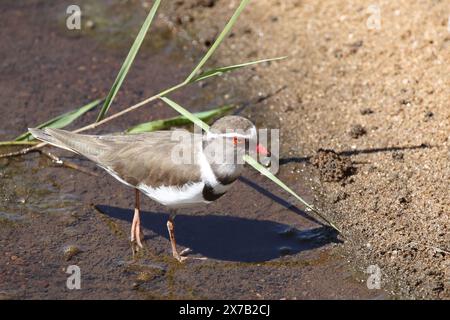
(128, 61)
(221, 70)
(61, 121)
(206, 116)
(252, 162)
(219, 39)
(281, 184)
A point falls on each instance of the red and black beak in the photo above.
(265, 155)
(260, 149)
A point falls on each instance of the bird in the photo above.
(176, 168)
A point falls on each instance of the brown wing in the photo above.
(140, 158)
(149, 160)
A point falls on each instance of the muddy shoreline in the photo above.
(258, 244)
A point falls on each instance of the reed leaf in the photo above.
(186, 113)
(221, 70)
(206, 116)
(62, 120)
(128, 61)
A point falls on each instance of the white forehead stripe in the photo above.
(250, 135)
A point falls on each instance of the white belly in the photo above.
(176, 197)
(180, 197)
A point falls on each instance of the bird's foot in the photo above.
(136, 240)
(181, 257)
(136, 247)
(185, 251)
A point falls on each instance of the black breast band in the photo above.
(209, 195)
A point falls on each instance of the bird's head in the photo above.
(238, 133)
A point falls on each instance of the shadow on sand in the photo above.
(231, 238)
(349, 153)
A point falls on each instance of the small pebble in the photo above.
(397, 155)
(135, 286)
(70, 251)
(357, 131)
(145, 276)
(428, 115)
(366, 111)
(206, 3)
(90, 24)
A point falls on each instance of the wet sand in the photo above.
(364, 112)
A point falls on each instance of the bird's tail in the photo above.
(46, 135)
(67, 140)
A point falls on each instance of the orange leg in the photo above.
(171, 228)
(136, 234)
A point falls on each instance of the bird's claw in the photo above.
(185, 251)
(181, 257)
(136, 246)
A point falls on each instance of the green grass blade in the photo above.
(186, 113)
(221, 70)
(206, 116)
(63, 120)
(128, 61)
(281, 184)
(17, 143)
(219, 39)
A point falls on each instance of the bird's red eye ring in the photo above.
(235, 140)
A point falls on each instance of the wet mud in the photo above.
(376, 97)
